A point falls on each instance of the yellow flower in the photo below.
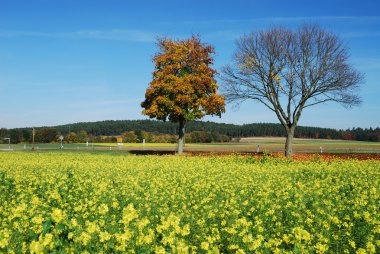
(57, 215)
(84, 238)
(129, 214)
(103, 209)
(36, 247)
(160, 250)
(115, 204)
(92, 227)
(256, 243)
(122, 238)
(104, 236)
(286, 238)
(371, 248)
(142, 223)
(149, 237)
(233, 247)
(247, 238)
(236, 206)
(335, 220)
(185, 230)
(205, 245)
(35, 200)
(321, 248)
(352, 244)
(38, 220)
(301, 234)
(5, 235)
(74, 222)
(47, 239)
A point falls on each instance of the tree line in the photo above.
(166, 132)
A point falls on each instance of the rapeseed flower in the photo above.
(75, 203)
(5, 235)
(57, 215)
(103, 209)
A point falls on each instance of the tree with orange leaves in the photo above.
(183, 87)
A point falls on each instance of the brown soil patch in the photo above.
(297, 156)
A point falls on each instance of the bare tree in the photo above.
(290, 70)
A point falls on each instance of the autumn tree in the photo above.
(183, 87)
(290, 70)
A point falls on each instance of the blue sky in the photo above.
(66, 61)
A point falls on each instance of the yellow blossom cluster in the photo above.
(96, 203)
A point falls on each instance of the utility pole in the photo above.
(33, 140)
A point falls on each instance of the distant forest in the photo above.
(157, 131)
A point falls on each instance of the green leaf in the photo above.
(47, 226)
(60, 227)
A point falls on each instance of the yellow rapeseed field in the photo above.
(99, 203)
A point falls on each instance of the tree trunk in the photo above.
(181, 136)
(289, 142)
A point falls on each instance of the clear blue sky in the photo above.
(66, 61)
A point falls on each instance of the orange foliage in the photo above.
(183, 87)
